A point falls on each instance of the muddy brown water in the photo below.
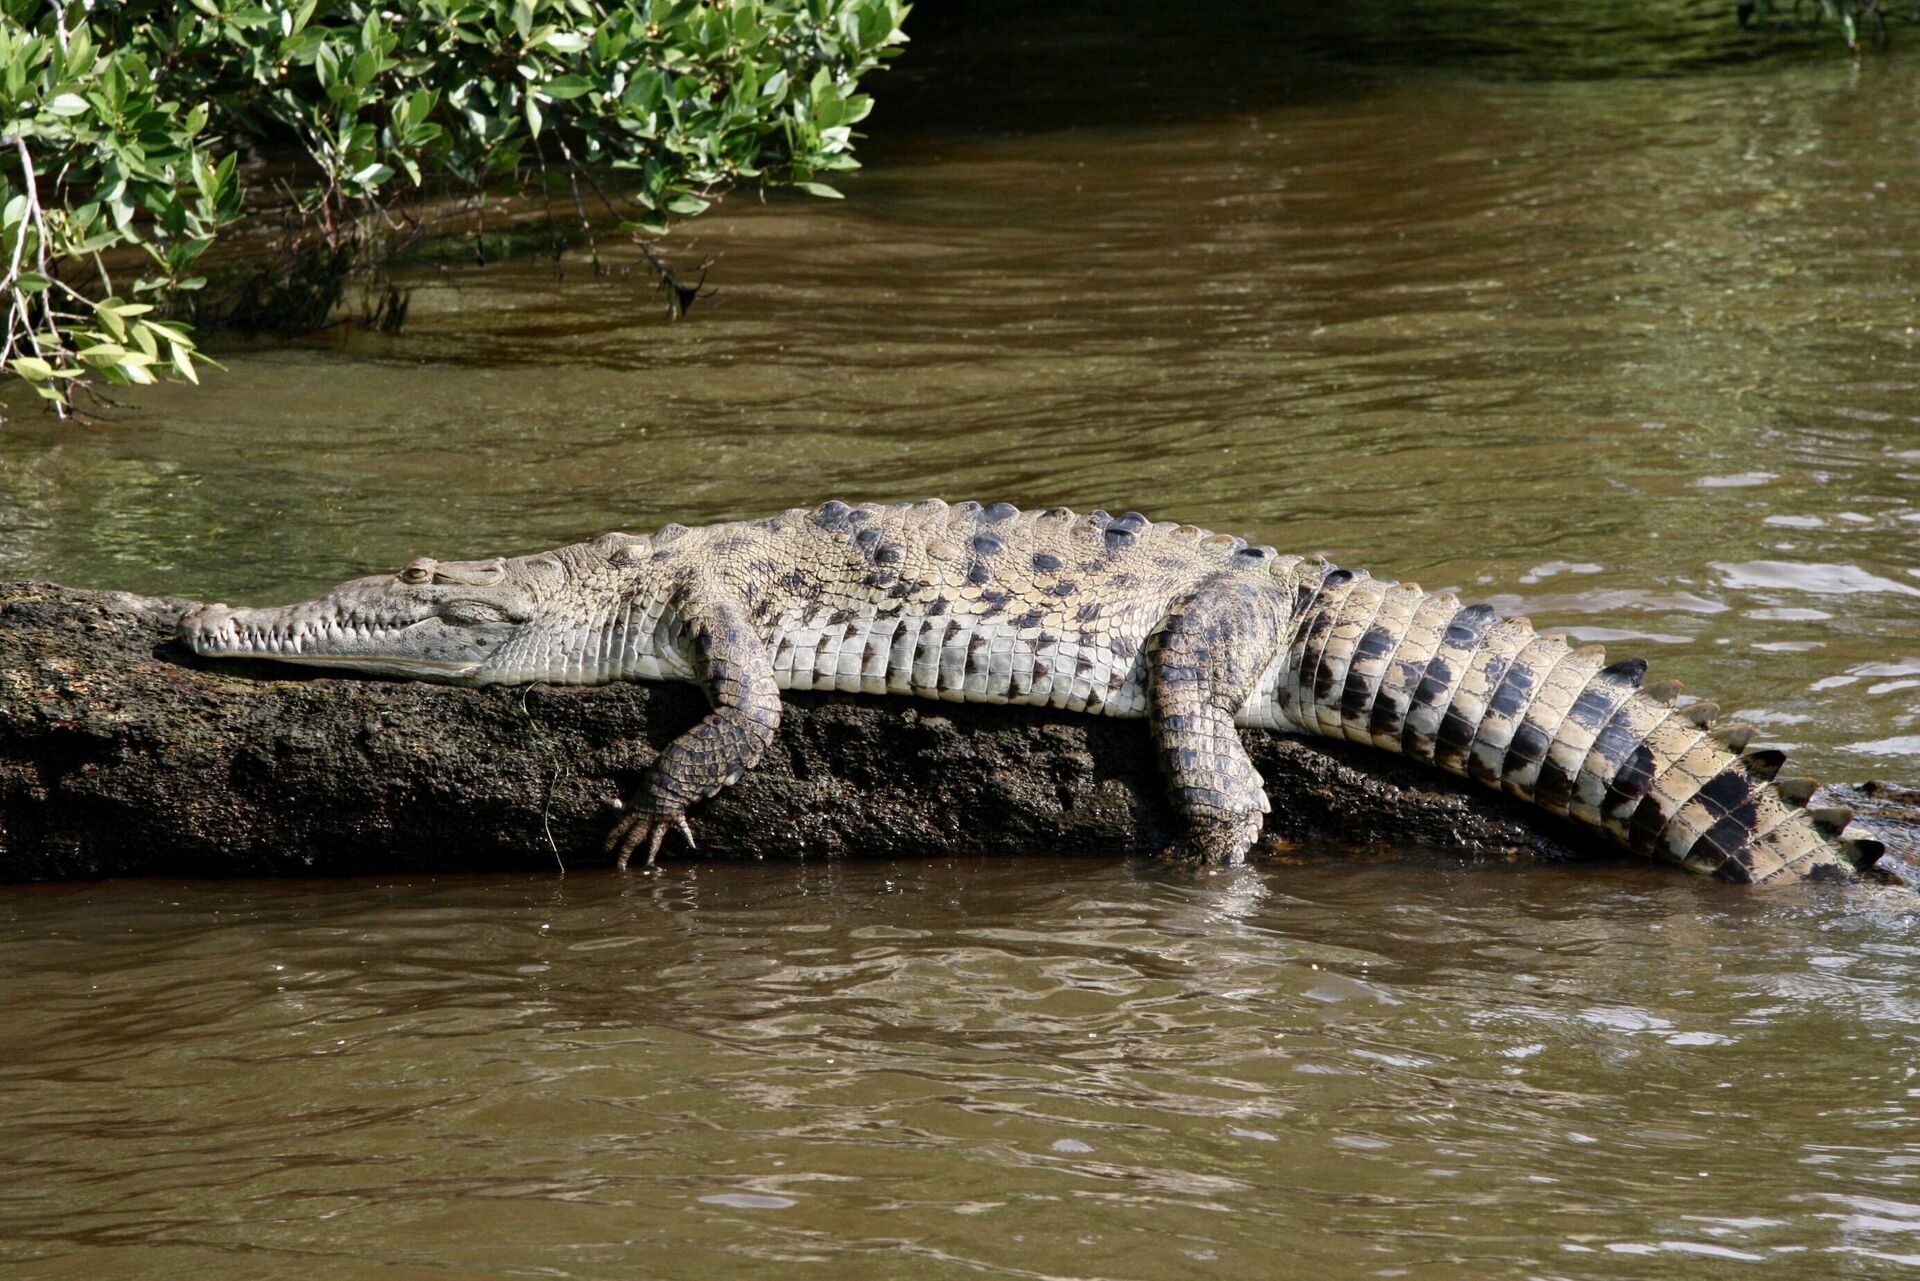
(1637, 355)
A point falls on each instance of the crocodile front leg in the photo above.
(732, 666)
(1202, 664)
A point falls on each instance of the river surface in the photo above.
(1636, 354)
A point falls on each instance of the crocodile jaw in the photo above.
(452, 625)
(408, 649)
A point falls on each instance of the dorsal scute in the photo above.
(1735, 735)
(1090, 522)
(1291, 570)
(1830, 819)
(1628, 671)
(1862, 851)
(1701, 713)
(1341, 577)
(1796, 791)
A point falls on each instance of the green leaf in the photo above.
(68, 104)
(819, 189)
(567, 41)
(421, 105)
(567, 88)
(32, 368)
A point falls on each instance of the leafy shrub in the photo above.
(126, 124)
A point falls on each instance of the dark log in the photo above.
(122, 754)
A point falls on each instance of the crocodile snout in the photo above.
(198, 623)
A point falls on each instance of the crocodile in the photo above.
(1202, 634)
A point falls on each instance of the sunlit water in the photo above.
(1636, 356)
(1027, 1068)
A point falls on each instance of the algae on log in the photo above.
(121, 754)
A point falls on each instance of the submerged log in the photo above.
(122, 754)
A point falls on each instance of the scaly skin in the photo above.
(1200, 633)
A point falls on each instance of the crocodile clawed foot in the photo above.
(645, 827)
(1214, 842)
(1195, 854)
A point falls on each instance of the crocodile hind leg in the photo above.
(733, 668)
(1202, 663)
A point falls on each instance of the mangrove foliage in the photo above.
(139, 135)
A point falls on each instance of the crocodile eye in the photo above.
(421, 571)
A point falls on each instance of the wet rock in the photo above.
(120, 753)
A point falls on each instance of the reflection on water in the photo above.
(1637, 357)
(1028, 1068)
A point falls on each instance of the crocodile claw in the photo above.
(648, 827)
(1218, 842)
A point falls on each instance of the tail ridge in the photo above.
(1492, 699)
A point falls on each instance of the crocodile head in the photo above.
(473, 622)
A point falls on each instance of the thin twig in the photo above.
(546, 200)
(36, 216)
(553, 780)
(18, 319)
(682, 297)
(580, 208)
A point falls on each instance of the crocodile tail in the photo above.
(1490, 699)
